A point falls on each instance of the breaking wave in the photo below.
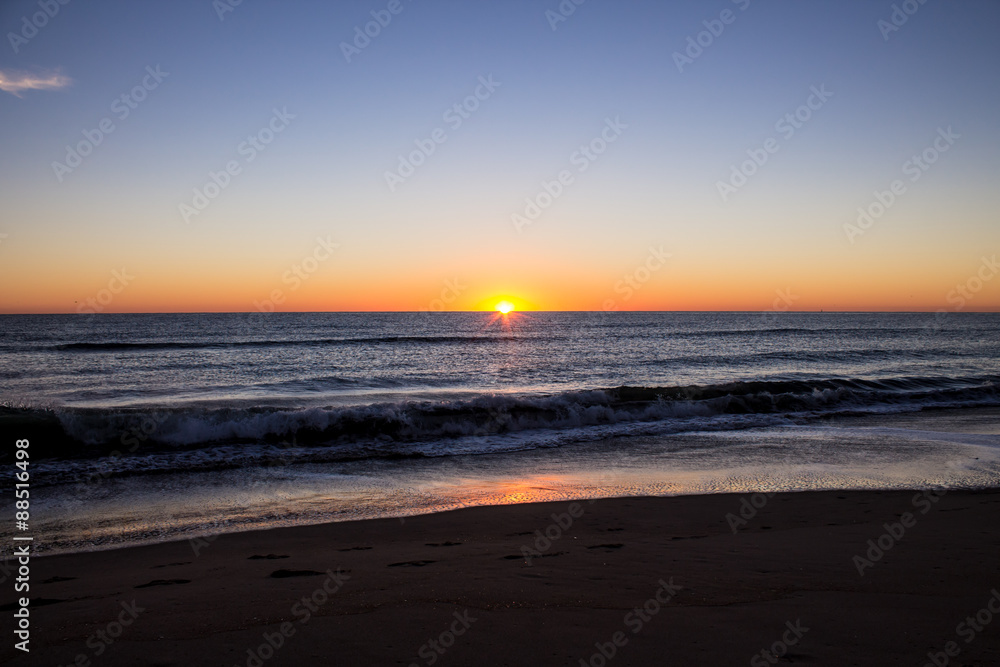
(71, 441)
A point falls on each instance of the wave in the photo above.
(194, 345)
(830, 356)
(751, 330)
(166, 439)
(126, 346)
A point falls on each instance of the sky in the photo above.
(202, 156)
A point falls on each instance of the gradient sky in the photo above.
(445, 237)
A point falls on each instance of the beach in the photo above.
(845, 578)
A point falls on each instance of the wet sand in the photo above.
(694, 580)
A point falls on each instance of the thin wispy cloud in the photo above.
(15, 82)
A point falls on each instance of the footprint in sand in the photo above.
(412, 563)
(38, 602)
(522, 556)
(285, 574)
(164, 582)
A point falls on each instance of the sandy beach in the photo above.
(702, 580)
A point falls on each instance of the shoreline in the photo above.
(203, 538)
(956, 449)
(563, 576)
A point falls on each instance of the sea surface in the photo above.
(155, 427)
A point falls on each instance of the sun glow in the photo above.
(504, 307)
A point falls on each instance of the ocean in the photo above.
(154, 427)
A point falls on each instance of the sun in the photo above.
(504, 307)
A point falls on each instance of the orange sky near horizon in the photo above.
(576, 259)
(677, 286)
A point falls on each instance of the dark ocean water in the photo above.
(124, 398)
